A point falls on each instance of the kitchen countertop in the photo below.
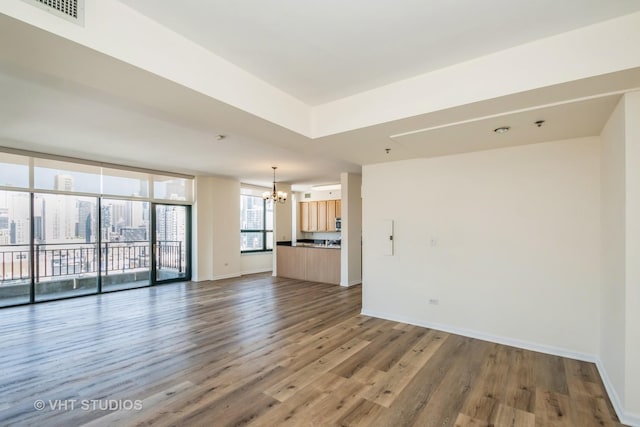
(310, 244)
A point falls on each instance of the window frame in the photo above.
(264, 230)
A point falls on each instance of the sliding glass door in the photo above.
(171, 242)
(125, 246)
(70, 228)
(15, 253)
(65, 246)
(52, 242)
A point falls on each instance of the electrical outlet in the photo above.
(434, 301)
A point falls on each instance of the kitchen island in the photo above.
(315, 262)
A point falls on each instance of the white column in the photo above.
(282, 217)
(351, 252)
(632, 252)
(216, 229)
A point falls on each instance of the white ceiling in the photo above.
(72, 121)
(320, 51)
(568, 120)
(67, 99)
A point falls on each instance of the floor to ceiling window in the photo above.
(70, 228)
(15, 253)
(65, 246)
(125, 247)
(15, 230)
(171, 225)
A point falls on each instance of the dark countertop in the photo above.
(310, 243)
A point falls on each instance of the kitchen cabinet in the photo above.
(334, 210)
(319, 215)
(312, 264)
(291, 262)
(323, 265)
(313, 216)
(304, 216)
(322, 216)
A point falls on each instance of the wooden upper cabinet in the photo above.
(304, 216)
(313, 216)
(322, 216)
(331, 215)
(319, 215)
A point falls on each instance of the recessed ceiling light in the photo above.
(502, 129)
(539, 123)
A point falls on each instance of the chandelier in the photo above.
(276, 196)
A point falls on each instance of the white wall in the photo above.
(256, 262)
(351, 250)
(282, 230)
(632, 246)
(507, 240)
(216, 229)
(612, 330)
(319, 195)
(202, 230)
(283, 216)
(620, 292)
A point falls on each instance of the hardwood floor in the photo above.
(264, 351)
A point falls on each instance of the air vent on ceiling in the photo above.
(307, 195)
(71, 10)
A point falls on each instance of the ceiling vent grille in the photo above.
(71, 10)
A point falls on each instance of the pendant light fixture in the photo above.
(276, 196)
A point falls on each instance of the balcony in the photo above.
(69, 269)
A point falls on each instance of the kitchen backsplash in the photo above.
(321, 235)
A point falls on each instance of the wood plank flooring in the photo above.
(265, 351)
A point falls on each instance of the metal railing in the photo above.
(69, 259)
(169, 255)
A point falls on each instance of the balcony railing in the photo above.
(69, 259)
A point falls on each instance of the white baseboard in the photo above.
(254, 271)
(352, 283)
(625, 417)
(556, 351)
(226, 276)
(220, 277)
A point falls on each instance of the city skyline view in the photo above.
(65, 228)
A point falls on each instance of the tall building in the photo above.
(38, 219)
(18, 211)
(85, 220)
(5, 238)
(61, 218)
(4, 218)
(171, 223)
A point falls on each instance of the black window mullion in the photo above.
(262, 230)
